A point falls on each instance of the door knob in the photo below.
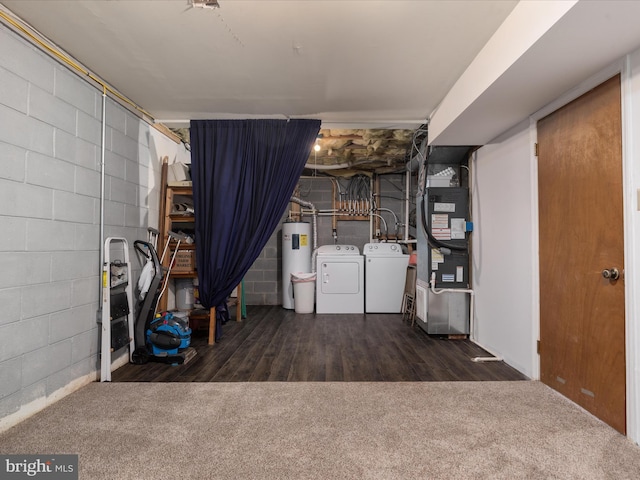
(611, 273)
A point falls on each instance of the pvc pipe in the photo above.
(386, 229)
(407, 187)
(319, 166)
(314, 216)
(495, 357)
(314, 260)
(102, 177)
(395, 217)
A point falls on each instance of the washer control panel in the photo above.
(338, 250)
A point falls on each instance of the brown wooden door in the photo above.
(582, 323)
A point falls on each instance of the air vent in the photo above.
(204, 4)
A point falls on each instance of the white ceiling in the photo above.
(350, 63)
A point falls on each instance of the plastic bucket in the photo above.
(304, 285)
(184, 294)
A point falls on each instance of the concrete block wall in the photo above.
(50, 145)
(263, 282)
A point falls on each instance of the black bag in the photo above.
(222, 317)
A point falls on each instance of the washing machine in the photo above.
(340, 279)
(385, 274)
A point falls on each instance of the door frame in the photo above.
(631, 219)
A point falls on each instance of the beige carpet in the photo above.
(461, 430)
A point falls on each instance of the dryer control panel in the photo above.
(382, 249)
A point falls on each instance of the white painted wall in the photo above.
(502, 258)
(631, 155)
(160, 146)
(505, 254)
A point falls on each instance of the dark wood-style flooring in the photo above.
(274, 344)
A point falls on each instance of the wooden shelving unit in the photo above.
(184, 265)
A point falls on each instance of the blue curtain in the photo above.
(243, 172)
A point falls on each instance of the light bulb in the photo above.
(316, 147)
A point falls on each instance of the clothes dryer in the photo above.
(340, 279)
(385, 275)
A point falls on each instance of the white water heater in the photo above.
(296, 256)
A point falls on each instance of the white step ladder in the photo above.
(117, 299)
